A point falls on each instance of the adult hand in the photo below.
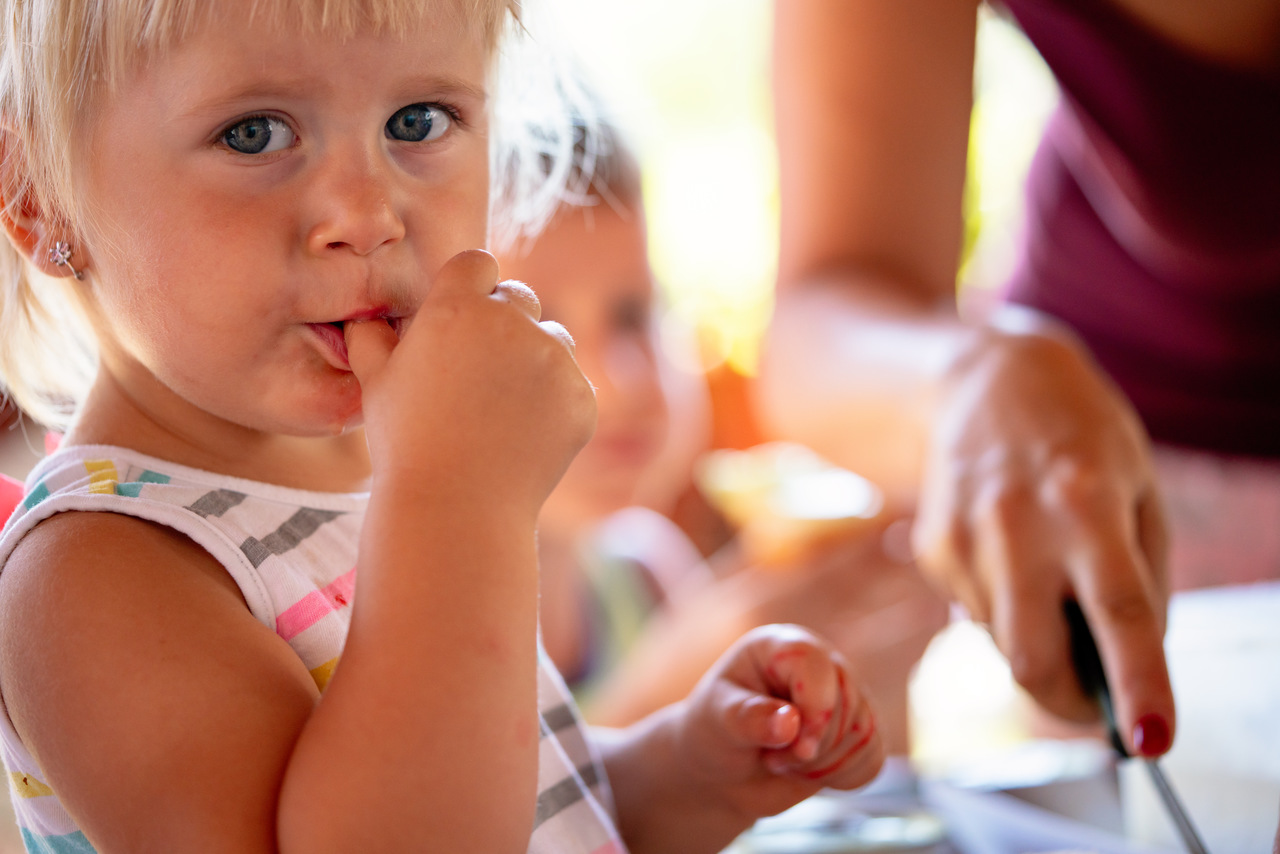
(1038, 488)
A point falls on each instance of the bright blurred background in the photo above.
(690, 80)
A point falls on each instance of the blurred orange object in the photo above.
(733, 420)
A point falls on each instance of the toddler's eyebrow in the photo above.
(424, 87)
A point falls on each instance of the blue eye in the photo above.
(258, 135)
(418, 123)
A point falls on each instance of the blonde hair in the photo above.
(57, 55)
(582, 159)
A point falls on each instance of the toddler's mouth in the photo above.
(333, 338)
(333, 343)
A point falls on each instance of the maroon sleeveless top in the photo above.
(1154, 223)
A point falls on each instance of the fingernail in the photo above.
(1151, 736)
(780, 726)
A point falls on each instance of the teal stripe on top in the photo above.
(40, 493)
(133, 488)
(72, 843)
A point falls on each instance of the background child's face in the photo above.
(256, 185)
(591, 273)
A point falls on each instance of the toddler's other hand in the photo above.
(477, 392)
(776, 719)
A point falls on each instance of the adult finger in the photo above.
(1117, 594)
(1153, 541)
(1026, 581)
(369, 346)
(942, 543)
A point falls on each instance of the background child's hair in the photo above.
(56, 56)
(584, 159)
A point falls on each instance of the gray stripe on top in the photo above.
(215, 503)
(557, 798)
(559, 717)
(292, 531)
(589, 774)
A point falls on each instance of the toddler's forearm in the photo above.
(427, 736)
(659, 810)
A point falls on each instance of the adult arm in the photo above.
(1030, 473)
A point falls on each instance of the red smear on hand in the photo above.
(839, 763)
(781, 658)
(844, 705)
(771, 669)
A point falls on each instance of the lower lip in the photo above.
(333, 344)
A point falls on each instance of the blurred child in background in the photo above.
(631, 614)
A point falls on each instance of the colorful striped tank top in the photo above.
(292, 553)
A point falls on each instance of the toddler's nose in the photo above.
(354, 211)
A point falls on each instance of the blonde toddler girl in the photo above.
(277, 589)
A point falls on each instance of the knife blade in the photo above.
(1093, 679)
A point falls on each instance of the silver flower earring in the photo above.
(60, 256)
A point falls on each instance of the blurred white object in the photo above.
(1223, 646)
(900, 813)
(996, 823)
(1075, 778)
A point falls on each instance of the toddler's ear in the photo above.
(20, 213)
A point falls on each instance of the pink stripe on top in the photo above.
(304, 613)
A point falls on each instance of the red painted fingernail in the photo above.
(1151, 736)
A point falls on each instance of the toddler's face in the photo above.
(591, 273)
(254, 187)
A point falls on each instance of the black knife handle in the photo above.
(1093, 679)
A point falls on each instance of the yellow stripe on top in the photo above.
(26, 786)
(324, 673)
(102, 476)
